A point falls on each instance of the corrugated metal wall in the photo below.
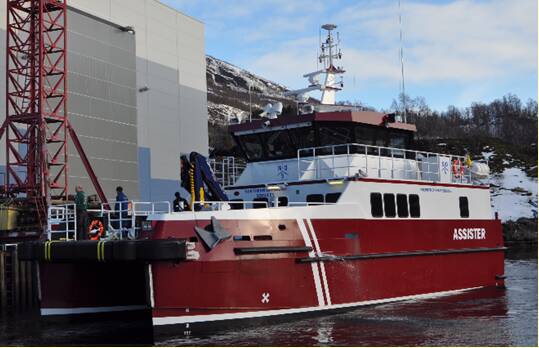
(102, 103)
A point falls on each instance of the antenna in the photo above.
(329, 53)
(318, 48)
(402, 64)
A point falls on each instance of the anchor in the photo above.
(212, 236)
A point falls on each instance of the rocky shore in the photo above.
(523, 230)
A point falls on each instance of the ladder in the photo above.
(8, 277)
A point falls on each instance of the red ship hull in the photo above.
(353, 262)
(380, 261)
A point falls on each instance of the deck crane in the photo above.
(37, 127)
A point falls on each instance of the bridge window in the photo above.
(397, 141)
(402, 205)
(364, 135)
(414, 206)
(376, 205)
(302, 137)
(278, 144)
(389, 205)
(464, 210)
(252, 146)
(332, 135)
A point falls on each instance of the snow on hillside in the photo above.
(233, 77)
(513, 193)
(228, 90)
(224, 111)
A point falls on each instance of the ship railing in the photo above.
(62, 222)
(306, 204)
(347, 160)
(226, 169)
(124, 219)
(230, 205)
(244, 205)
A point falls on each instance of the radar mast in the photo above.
(330, 53)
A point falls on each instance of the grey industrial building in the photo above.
(137, 93)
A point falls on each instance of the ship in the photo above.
(333, 210)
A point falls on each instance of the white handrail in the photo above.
(125, 217)
(62, 219)
(226, 170)
(290, 204)
(426, 159)
(221, 203)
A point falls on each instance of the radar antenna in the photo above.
(403, 95)
(329, 54)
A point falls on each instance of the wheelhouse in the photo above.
(281, 138)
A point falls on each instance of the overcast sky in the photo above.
(455, 52)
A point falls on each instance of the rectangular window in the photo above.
(376, 205)
(364, 135)
(402, 205)
(236, 206)
(263, 237)
(415, 212)
(283, 201)
(389, 205)
(315, 198)
(398, 139)
(302, 137)
(464, 210)
(241, 238)
(253, 146)
(263, 203)
(278, 144)
(332, 135)
(333, 197)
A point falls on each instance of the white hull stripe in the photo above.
(150, 285)
(314, 265)
(322, 266)
(157, 321)
(333, 211)
(83, 310)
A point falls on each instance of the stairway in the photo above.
(18, 281)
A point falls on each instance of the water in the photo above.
(483, 317)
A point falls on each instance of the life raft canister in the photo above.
(458, 168)
(96, 229)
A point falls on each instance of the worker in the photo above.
(180, 203)
(82, 213)
(121, 208)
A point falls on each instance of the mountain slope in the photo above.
(228, 91)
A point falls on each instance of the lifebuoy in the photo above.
(96, 229)
(458, 168)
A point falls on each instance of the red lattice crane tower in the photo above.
(36, 85)
(37, 125)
